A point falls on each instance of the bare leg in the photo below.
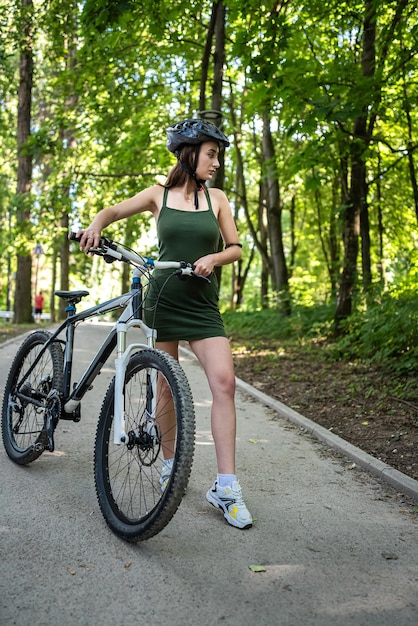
(215, 357)
(165, 409)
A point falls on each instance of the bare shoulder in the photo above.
(152, 198)
(217, 194)
(149, 199)
(219, 201)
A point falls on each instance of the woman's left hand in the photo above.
(205, 265)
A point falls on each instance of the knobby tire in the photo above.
(128, 476)
(23, 422)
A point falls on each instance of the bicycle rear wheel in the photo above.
(136, 498)
(23, 421)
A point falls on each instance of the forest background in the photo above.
(320, 101)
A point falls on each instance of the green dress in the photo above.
(184, 308)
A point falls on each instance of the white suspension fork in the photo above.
(121, 363)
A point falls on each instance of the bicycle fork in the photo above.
(124, 353)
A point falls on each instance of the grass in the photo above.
(9, 330)
(383, 335)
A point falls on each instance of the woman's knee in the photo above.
(222, 382)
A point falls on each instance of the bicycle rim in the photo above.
(136, 497)
(23, 422)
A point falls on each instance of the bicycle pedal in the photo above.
(49, 432)
(75, 416)
(39, 446)
(50, 445)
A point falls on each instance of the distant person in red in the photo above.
(39, 305)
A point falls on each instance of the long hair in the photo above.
(179, 176)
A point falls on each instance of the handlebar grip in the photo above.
(74, 236)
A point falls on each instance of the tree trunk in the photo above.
(333, 244)
(23, 293)
(411, 164)
(68, 139)
(53, 284)
(381, 263)
(204, 70)
(357, 208)
(293, 242)
(218, 179)
(368, 64)
(263, 239)
(351, 235)
(279, 274)
(217, 30)
(64, 263)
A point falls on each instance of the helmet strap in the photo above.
(192, 173)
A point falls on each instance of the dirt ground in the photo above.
(364, 406)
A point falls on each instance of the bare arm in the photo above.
(205, 265)
(146, 200)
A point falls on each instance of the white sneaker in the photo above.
(166, 473)
(230, 500)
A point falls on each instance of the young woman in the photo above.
(189, 219)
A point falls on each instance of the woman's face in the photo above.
(208, 161)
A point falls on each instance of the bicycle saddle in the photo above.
(71, 296)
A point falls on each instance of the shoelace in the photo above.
(238, 496)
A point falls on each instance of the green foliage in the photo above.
(384, 333)
(258, 328)
(110, 76)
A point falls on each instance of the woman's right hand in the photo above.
(89, 238)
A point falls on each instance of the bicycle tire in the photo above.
(128, 476)
(23, 423)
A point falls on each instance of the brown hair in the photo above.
(179, 176)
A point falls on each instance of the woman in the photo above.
(189, 218)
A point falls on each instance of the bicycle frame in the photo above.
(117, 337)
(131, 302)
(145, 432)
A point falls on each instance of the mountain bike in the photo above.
(147, 415)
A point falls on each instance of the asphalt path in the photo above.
(337, 545)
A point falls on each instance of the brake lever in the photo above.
(183, 275)
(201, 277)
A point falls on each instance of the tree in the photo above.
(320, 100)
(23, 296)
(356, 215)
(274, 219)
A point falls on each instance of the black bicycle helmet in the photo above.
(193, 131)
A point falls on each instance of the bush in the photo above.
(384, 333)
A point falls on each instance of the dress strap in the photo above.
(165, 194)
(207, 194)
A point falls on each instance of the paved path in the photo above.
(339, 547)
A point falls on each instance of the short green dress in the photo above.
(184, 308)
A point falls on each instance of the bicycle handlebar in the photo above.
(112, 251)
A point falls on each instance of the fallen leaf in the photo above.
(126, 565)
(257, 568)
(390, 556)
(71, 571)
(252, 440)
(85, 566)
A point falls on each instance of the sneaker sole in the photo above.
(231, 521)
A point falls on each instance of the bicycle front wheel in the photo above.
(23, 420)
(140, 483)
